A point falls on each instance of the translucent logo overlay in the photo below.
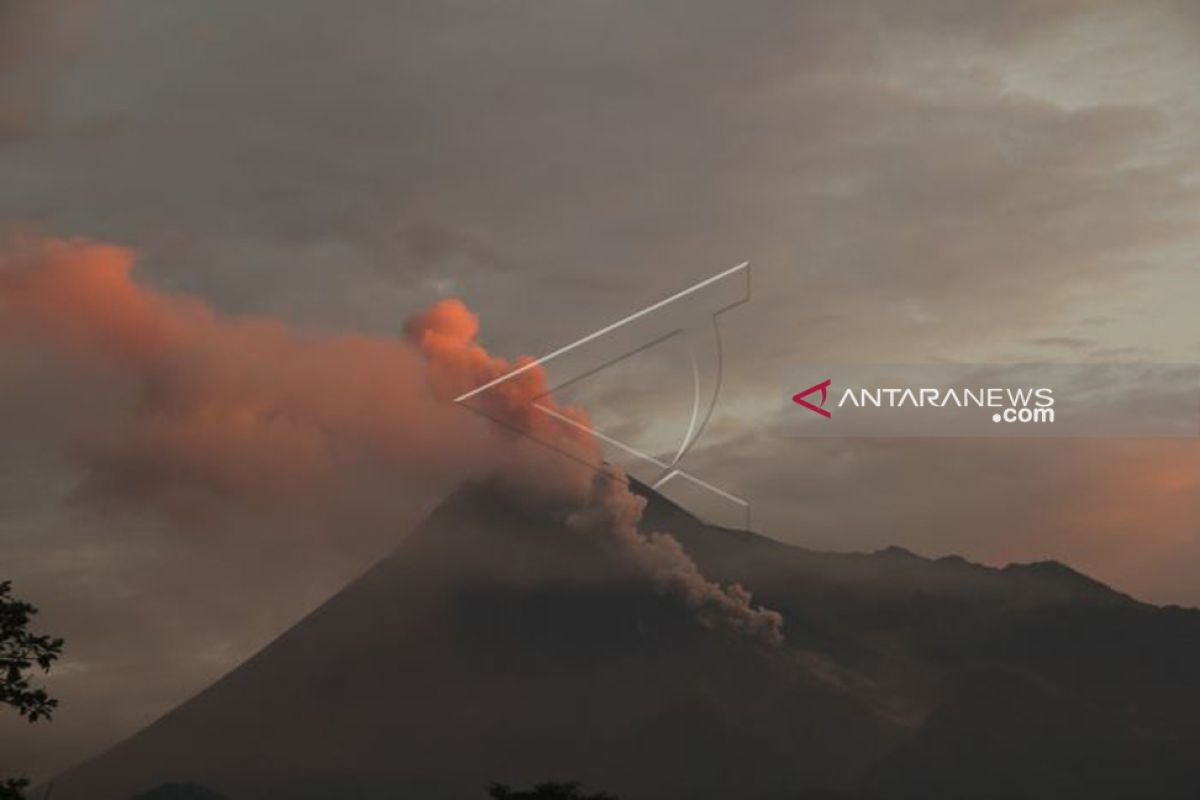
(688, 318)
(991, 400)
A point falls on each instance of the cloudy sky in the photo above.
(911, 182)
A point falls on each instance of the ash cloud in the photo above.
(205, 411)
(600, 494)
(614, 511)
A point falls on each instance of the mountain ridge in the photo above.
(478, 648)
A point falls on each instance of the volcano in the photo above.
(496, 644)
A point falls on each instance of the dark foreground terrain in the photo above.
(495, 645)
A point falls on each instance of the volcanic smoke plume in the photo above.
(184, 409)
(612, 510)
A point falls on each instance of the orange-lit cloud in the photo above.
(456, 363)
(244, 409)
(209, 410)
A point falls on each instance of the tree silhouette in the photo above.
(13, 789)
(21, 652)
(546, 791)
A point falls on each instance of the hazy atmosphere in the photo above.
(265, 192)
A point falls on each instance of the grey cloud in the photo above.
(38, 40)
(1075, 343)
(339, 164)
(297, 153)
(1118, 509)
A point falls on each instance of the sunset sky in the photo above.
(266, 191)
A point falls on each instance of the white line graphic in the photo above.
(727, 289)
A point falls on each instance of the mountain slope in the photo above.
(1031, 681)
(495, 644)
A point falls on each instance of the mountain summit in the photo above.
(499, 644)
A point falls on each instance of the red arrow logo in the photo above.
(823, 388)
